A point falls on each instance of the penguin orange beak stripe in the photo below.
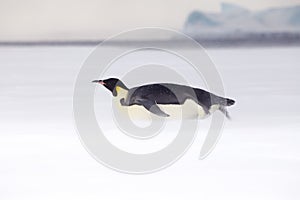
(98, 81)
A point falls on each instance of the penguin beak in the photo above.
(98, 81)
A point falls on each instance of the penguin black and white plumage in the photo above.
(164, 99)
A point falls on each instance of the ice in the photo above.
(257, 157)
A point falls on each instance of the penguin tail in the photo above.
(225, 101)
(229, 102)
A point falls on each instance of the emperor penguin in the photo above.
(164, 99)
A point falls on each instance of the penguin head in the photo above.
(112, 84)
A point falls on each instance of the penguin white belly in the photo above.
(188, 110)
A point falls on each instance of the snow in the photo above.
(258, 156)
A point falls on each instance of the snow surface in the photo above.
(258, 156)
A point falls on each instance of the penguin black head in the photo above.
(111, 84)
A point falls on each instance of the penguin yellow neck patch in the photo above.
(121, 92)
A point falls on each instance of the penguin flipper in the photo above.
(152, 107)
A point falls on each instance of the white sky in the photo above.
(96, 19)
